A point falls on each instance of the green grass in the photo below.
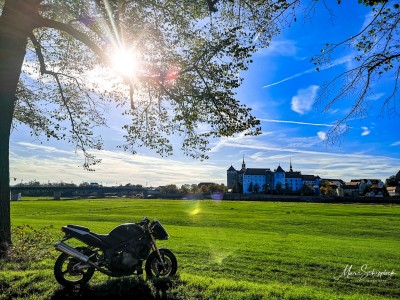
(231, 250)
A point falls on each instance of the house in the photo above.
(366, 184)
(393, 191)
(310, 180)
(362, 187)
(349, 189)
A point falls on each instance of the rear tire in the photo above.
(65, 273)
(154, 268)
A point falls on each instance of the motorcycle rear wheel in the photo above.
(154, 267)
(66, 276)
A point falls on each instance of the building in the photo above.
(255, 180)
(235, 178)
(311, 180)
(393, 191)
(348, 189)
(279, 178)
(361, 187)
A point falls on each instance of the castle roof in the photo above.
(293, 174)
(256, 171)
(279, 169)
(309, 177)
(231, 168)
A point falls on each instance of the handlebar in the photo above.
(144, 221)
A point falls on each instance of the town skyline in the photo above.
(187, 169)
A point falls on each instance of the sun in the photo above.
(125, 62)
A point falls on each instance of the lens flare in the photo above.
(219, 256)
(125, 62)
(195, 211)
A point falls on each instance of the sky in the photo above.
(282, 87)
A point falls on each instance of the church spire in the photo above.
(243, 164)
(291, 168)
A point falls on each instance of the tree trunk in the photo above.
(16, 23)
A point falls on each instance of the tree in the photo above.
(237, 187)
(256, 188)
(193, 188)
(267, 188)
(326, 188)
(306, 190)
(169, 189)
(288, 189)
(377, 53)
(215, 187)
(189, 57)
(185, 188)
(203, 189)
(250, 189)
(391, 181)
(278, 188)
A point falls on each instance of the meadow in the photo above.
(225, 249)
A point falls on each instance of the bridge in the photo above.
(83, 191)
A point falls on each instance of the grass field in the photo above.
(230, 250)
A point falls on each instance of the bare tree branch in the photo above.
(82, 140)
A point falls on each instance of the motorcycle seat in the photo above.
(102, 237)
(83, 228)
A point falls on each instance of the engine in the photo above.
(131, 258)
(124, 261)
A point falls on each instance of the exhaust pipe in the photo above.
(60, 246)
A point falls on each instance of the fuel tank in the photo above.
(125, 231)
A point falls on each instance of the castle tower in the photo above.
(279, 177)
(231, 177)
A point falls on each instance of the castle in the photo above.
(255, 180)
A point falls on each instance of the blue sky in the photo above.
(282, 87)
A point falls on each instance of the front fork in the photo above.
(155, 248)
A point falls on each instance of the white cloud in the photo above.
(116, 167)
(366, 131)
(396, 144)
(304, 100)
(280, 47)
(42, 148)
(376, 96)
(323, 163)
(321, 135)
(43, 163)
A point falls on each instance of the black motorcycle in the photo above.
(119, 253)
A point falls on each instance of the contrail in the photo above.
(295, 122)
(335, 63)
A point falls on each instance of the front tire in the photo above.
(65, 273)
(154, 267)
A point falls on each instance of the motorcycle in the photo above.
(119, 253)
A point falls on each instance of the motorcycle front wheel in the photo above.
(68, 273)
(154, 267)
